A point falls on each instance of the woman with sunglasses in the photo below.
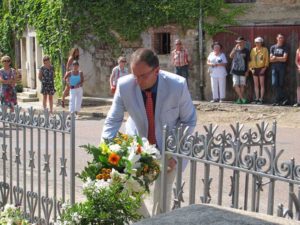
(8, 79)
(117, 72)
(46, 76)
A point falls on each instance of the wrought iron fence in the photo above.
(34, 161)
(250, 156)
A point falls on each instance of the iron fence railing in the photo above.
(37, 162)
(250, 157)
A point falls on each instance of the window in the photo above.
(239, 1)
(162, 44)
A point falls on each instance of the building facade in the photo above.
(263, 18)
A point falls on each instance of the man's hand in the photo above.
(171, 164)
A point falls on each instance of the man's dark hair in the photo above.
(145, 55)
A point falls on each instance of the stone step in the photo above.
(22, 98)
(29, 90)
(90, 101)
(28, 94)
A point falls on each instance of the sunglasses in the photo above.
(6, 61)
(46, 60)
(123, 61)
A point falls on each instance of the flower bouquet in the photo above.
(120, 172)
(12, 215)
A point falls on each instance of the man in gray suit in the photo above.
(171, 100)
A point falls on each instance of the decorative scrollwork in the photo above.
(266, 162)
(171, 141)
(213, 153)
(247, 160)
(32, 117)
(285, 169)
(198, 149)
(47, 205)
(297, 172)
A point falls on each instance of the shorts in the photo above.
(257, 72)
(238, 80)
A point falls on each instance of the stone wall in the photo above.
(98, 62)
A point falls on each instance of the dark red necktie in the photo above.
(150, 116)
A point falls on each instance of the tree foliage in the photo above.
(62, 23)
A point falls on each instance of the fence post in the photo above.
(164, 167)
(72, 158)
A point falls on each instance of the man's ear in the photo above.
(157, 71)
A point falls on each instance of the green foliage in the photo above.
(61, 24)
(113, 205)
(58, 80)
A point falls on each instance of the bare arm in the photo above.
(297, 59)
(282, 59)
(2, 81)
(232, 53)
(40, 75)
(69, 63)
(66, 77)
(111, 78)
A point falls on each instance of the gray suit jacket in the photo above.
(173, 107)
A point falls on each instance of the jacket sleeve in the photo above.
(114, 117)
(187, 110)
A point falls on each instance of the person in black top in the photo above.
(239, 68)
(278, 59)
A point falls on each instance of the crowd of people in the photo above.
(245, 62)
(254, 62)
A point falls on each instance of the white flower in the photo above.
(115, 174)
(99, 184)
(88, 184)
(9, 207)
(115, 148)
(76, 217)
(65, 206)
(132, 185)
(133, 157)
(150, 149)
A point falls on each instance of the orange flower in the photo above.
(146, 168)
(139, 149)
(99, 177)
(113, 158)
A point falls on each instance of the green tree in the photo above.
(60, 24)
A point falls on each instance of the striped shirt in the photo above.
(117, 72)
(180, 58)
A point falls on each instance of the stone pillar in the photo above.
(39, 63)
(23, 61)
(30, 63)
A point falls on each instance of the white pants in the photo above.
(75, 99)
(218, 85)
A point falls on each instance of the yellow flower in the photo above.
(105, 148)
(113, 158)
(124, 136)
